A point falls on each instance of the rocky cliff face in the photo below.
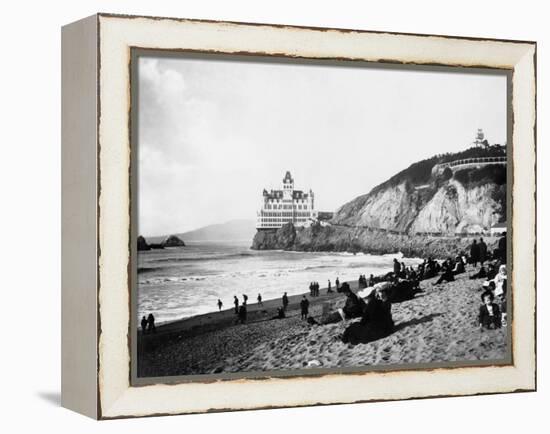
(455, 208)
(445, 208)
(318, 238)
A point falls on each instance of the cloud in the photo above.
(213, 133)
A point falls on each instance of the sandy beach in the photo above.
(438, 325)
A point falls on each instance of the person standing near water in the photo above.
(501, 251)
(304, 305)
(396, 267)
(236, 303)
(245, 298)
(337, 285)
(220, 304)
(329, 290)
(151, 324)
(143, 325)
(242, 313)
(260, 299)
(285, 301)
(482, 251)
(474, 253)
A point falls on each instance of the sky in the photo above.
(213, 132)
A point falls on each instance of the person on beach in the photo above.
(459, 267)
(501, 251)
(376, 320)
(143, 325)
(151, 324)
(337, 284)
(371, 280)
(431, 269)
(242, 313)
(329, 289)
(489, 313)
(400, 290)
(260, 302)
(501, 297)
(474, 253)
(482, 251)
(492, 270)
(304, 306)
(236, 303)
(403, 271)
(353, 307)
(245, 298)
(447, 275)
(220, 305)
(396, 267)
(482, 273)
(280, 313)
(500, 280)
(285, 301)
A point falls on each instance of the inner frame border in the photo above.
(252, 57)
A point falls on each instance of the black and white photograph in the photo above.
(275, 216)
(298, 215)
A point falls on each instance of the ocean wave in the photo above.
(172, 279)
(204, 257)
(242, 274)
(148, 269)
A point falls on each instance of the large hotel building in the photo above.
(286, 205)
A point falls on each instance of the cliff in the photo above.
(317, 238)
(417, 211)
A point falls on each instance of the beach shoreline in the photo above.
(438, 325)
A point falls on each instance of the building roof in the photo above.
(288, 178)
(278, 194)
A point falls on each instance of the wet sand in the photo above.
(438, 325)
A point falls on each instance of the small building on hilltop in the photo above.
(287, 205)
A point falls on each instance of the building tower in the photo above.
(480, 137)
(288, 186)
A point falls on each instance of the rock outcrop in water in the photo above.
(416, 212)
(142, 244)
(173, 241)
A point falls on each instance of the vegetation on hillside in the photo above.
(420, 173)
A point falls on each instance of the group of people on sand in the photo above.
(236, 302)
(314, 289)
(373, 305)
(374, 311)
(148, 324)
(492, 268)
(241, 310)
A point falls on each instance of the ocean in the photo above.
(180, 282)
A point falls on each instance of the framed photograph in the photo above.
(262, 216)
